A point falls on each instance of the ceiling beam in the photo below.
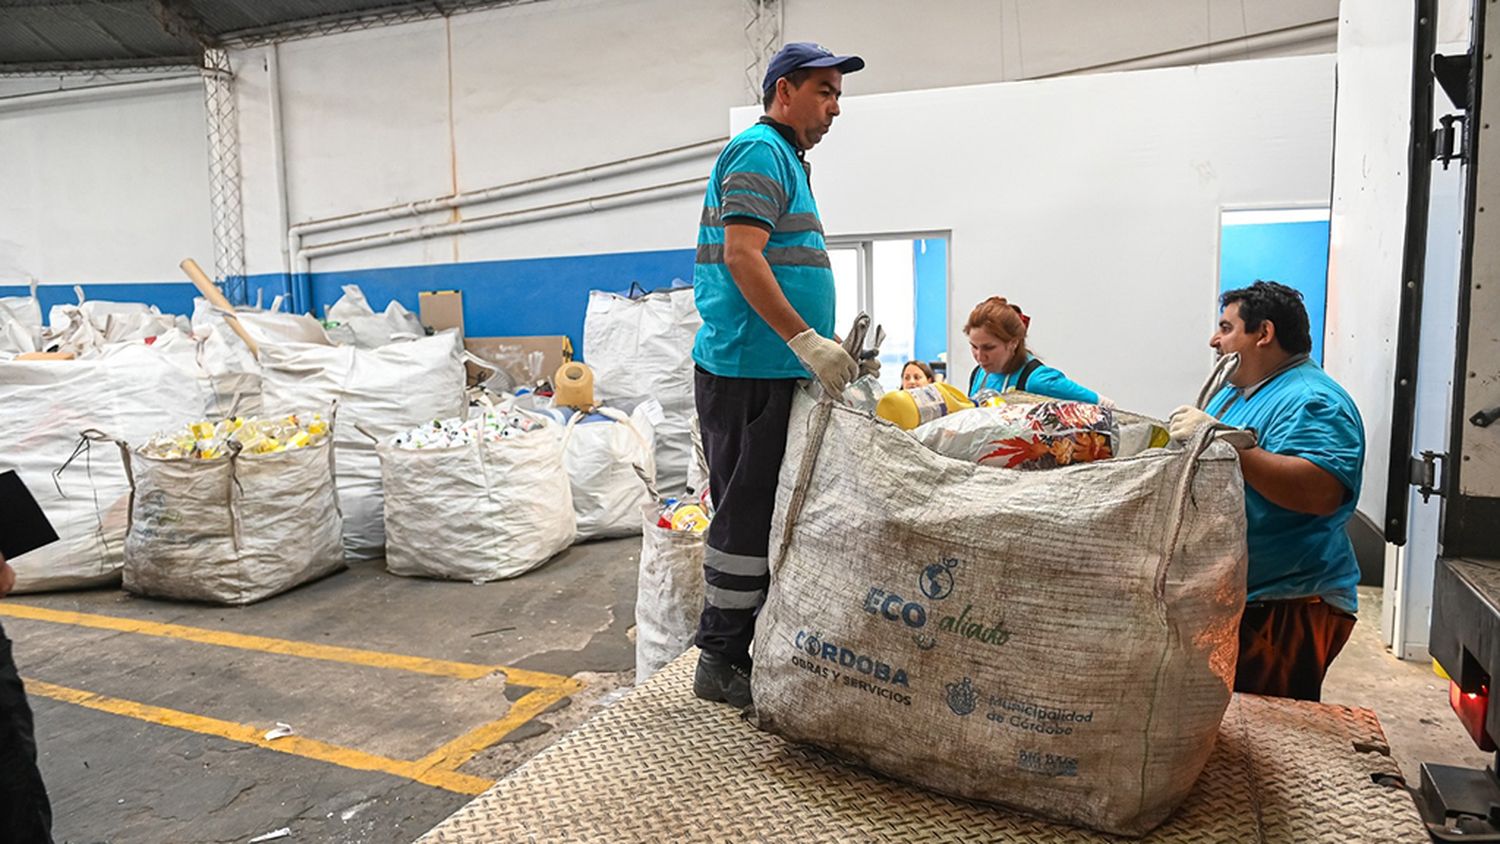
(90, 66)
(179, 19)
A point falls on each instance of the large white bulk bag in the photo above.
(642, 348)
(231, 530)
(382, 391)
(132, 390)
(1062, 642)
(359, 325)
(606, 460)
(85, 328)
(668, 593)
(230, 371)
(479, 512)
(20, 323)
(270, 326)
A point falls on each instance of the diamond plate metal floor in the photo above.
(663, 766)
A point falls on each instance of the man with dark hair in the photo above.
(794, 79)
(764, 287)
(1302, 480)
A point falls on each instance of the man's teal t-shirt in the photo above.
(759, 179)
(1304, 413)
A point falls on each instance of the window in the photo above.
(902, 282)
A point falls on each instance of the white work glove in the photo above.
(870, 367)
(1186, 420)
(829, 364)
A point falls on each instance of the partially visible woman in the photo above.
(915, 374)
(997, 339)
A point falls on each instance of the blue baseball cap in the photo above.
(799, 54)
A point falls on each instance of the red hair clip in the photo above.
(1025, 320)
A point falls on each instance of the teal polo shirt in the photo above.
(760, 180)
(1044, 381)
(1304, 413)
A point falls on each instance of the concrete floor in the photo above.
(145, 777)
(117, 778)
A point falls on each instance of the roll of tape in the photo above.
(574, 385)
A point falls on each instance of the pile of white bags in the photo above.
(234, 529)
(642, 348)
(668, 594)
(382, 391)
(359, 325)
(20, 324)
(606, 460)
(1061, 642)
(130, 390)
(270, 326)
(230, 372)
(87, 327)
(482, 511)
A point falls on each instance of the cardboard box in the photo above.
(511, 354)
(440, 309)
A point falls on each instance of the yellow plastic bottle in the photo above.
(910, 408)
(690, 517)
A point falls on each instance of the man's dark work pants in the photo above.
(1286, 647)
(25, 814)
(743, 421)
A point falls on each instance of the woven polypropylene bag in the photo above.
(131, 391)
(669, 594)
(1060, 642)
(381, 391)
(609, 464)
(640, 349)
(233, 530)
(482, 511)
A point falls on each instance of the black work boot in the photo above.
(722, 681)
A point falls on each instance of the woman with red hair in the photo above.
(997, 339)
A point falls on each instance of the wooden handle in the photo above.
(211, 292)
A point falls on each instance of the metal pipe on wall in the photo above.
(94, 92)
(635, 196)
(278, 162)
(1233, 48)
(510, 190)
(300, 257)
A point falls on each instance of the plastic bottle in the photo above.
(689, 517)
(910, 408)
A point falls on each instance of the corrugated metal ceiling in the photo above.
(63, 35)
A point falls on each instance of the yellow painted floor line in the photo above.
(455, 753)
(289, 647)
(421, 772)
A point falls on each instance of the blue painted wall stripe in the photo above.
(501, 298)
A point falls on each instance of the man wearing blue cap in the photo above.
(765, 290)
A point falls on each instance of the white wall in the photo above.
(412, 112)
(102, 189)
(484, 99)
(1091, 201)
(964, 42)
(409, 112)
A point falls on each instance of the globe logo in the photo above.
(937, 581)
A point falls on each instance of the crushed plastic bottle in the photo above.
(204, 440)
(448, 433)
(687, 515)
